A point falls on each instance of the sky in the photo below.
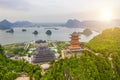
(56, 10)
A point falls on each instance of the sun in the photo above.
(106, 15)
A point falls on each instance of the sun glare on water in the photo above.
(106, 15)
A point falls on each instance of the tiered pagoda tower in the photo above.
(74, 43)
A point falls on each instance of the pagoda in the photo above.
(74, 47)
(74, 43)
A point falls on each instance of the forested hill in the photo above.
(89, 66)
(106, 42)
(10, 70)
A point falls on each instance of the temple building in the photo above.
(43, 54)
(40, 43)
(74, 43)
(74, 48)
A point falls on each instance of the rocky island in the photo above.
(35, 32)
(87, 32)
(48, 32)
(10, 31)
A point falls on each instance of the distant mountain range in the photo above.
(94, 25)
(5, 24)
(71, 23)
(22, 23)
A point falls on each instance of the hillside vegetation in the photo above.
(10, 70)
(89, 66)
(107, 42)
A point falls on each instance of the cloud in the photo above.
(15, 4)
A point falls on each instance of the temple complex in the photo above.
(43, 54)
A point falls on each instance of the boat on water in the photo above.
(56, 28)
(52, 28)
(24, 30)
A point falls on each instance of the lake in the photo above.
(62, 34)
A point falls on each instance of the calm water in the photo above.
(60, 35)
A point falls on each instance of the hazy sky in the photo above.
(56, 10)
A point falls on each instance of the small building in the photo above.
(16, 58)
(30, 51)
(40, 43)
(57, 55)
(43, 54)
(22, 76)
(45, 66)
(54, 49)
(8, 55)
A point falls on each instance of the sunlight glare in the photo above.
(106, 15)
